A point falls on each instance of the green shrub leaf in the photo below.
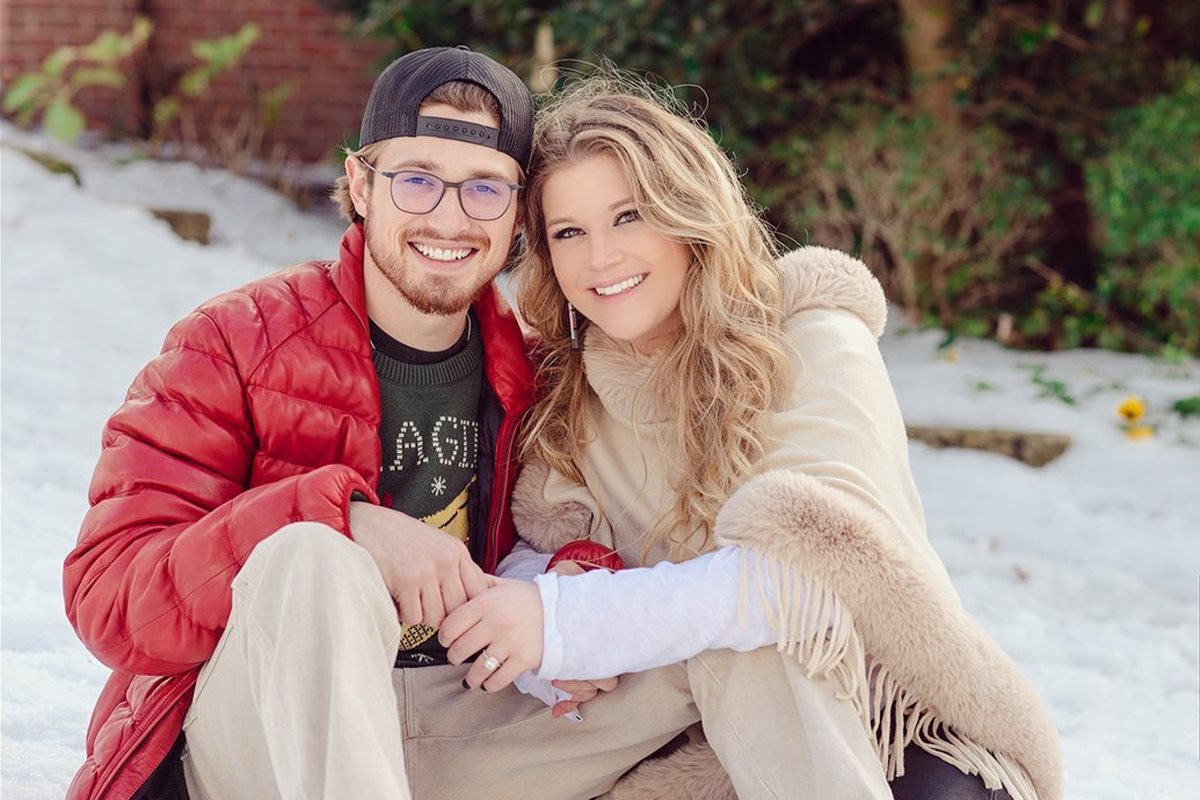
(97, 76)
(106, 49)
(57, 62)
(1188, 406)
(64, 121)
(23, 91)
(165, 112)
(194, 83)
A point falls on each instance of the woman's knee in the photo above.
(759, 670)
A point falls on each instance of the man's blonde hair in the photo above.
(462, 95)
(728, 364)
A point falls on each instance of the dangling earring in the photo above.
(573, 325)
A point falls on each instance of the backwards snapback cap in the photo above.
(393, 108)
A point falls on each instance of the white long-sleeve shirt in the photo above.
(600, 624)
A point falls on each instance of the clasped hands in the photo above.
(434, 582)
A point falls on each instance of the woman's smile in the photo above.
(621, 287)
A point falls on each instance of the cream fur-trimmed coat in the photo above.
(832, 500)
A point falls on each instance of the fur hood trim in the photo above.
(933, 676)
(547, 526)
(818, 277)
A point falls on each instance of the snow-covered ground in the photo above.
(1087, 571)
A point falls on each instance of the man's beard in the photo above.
(433, 294)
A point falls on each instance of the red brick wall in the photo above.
(300, 43)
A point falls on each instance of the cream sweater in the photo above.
(832, 502)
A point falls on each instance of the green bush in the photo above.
(1145, 194)
(216, 57)
(70, 69)
(180, 110)
(985, 231)
(945, 220)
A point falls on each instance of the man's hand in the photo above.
(581, 692)
(428, 573)
(506, 623)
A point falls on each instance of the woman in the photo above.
(724, 416)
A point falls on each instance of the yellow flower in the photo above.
(1132, 409)
(1139, 431)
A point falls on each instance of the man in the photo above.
(298, 452)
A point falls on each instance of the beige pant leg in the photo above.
(780, 734)
(466, 744)
(297, 701)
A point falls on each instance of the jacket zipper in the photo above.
(492, 557)
(151, 720)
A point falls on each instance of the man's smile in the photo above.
(442, 253)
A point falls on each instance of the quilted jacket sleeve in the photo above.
(172, 518)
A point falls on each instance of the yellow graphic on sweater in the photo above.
(453, 520)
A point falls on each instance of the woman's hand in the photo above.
(502, 623)
(581, 692)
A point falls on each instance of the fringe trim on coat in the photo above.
(817, 629)
(849, 584)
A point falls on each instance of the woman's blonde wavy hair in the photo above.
(728, 364)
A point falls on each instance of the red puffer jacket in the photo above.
(263, 409)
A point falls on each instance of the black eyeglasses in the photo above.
(482, 199)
